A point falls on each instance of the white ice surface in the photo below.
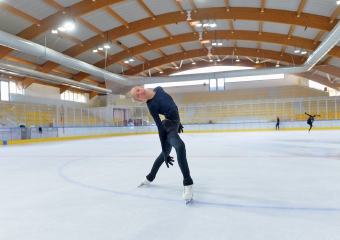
(272, 185)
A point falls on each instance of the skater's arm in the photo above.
(160, 127)
(308, 114)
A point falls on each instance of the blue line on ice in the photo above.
(195, 201)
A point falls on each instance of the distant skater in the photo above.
(159, 102)
(310, 120)
(277, 127)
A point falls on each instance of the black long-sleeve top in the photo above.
(162, 103)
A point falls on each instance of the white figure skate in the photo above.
(188, 194)
(144, 182)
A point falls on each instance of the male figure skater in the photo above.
(310, 120)
(159, 102)
(277, 127)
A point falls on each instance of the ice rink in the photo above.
(247, 185)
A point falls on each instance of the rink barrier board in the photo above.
(40, 140)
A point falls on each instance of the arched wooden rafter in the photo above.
(251, 14)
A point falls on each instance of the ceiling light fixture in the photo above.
(54, 31)
(126, 61)
(199, 24)
(69, 25)
(213, 24)
(237, 59)
(95, 50)
(338, 2)
(303, 51)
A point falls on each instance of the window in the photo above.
(220, 84)
(15, 87)
(4, 91)
(212, 85)
(73, 96)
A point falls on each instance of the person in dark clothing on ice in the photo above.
(277, 127)
(159, 102)
(310, 120)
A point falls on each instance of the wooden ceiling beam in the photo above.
(14, 59)
(19, 13)
(121, 45)
(125, 64)
(93, 94)
(286, 58)
(63, 72)
(263, 3)
(258, 46)
(192, 28)
(182, 48)
(235, 44)
(142, 58)
(179, 6)
(317, 78)
(146, 9)
(202, 64)
(192, 4)
(283, 50)
(260, 27)
(70, 38)
(302, 5)
(116, 16)
(55, 5)
(141, 36)
(251, 14)
(290, 33)
(231, 26)
(320, 34)
(327, 60)
(188, 37)
(240, 35)
(161, 53)
(92, 81)
(227, 7)
(335, 14)
(198, 54)
(28, 81)
(166, 32)
(90, 26)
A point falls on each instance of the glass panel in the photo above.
(220, 84)
(4, 91)
(212, 84)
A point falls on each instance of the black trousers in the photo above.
(311, 125)
(173, 140)
(277, 126)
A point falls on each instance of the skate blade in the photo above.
(187, 202)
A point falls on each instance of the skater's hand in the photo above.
(168, 160)
(180, 128)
